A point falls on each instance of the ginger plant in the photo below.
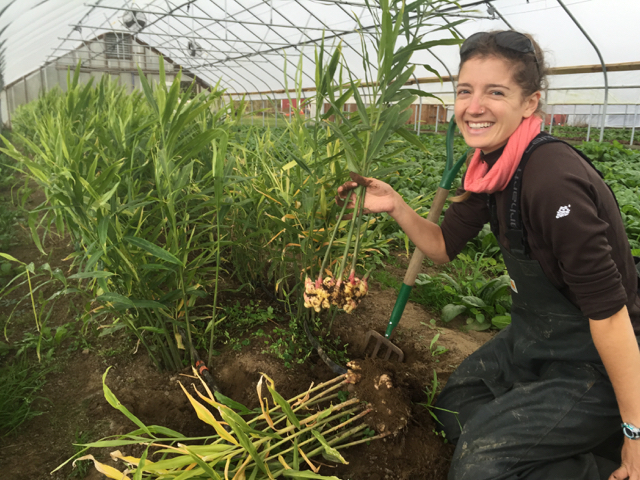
(364, 134)
(280, 439)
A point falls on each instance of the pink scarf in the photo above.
(478, 180)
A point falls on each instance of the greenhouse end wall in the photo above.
(95, 64)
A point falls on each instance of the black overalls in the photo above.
(534, 402)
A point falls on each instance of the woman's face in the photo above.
(489, 104)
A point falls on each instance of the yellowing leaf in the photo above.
(240, 475)
(179, 341)
(205, 415)
(311, 465)
(305, 398)
(104, 469)
(206, 387)
(276, 236)
(264, 406)
(117, 455)
(270, 198)
(226, 469)
(290, 165)
(284, 464)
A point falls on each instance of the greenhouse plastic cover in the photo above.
(248, 44)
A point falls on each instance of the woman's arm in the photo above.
(618, 348)
(425, 235)
(381, 197)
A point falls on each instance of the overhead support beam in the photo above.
(444, 11)
(175, 36)
(168, 13)
(492, 9)
(614, 67)
(215, 20)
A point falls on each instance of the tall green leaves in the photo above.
(399, 35)
(139, 182)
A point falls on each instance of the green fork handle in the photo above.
(450, 172)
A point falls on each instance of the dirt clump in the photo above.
(390, 403)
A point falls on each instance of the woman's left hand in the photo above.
(630, 467)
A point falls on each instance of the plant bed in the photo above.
(76, 411)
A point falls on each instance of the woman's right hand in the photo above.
(379, 198)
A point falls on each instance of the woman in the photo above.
(546, 397)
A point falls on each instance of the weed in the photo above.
(21, 384)
(368, 433)
(9, 220)
(45, 341)
(386, 279)
(436, 349)
(81, 468)
(283, 344)
(123, 348)
(431, 391)
(238, 320)
(343, 395)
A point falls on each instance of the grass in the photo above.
(21, 385)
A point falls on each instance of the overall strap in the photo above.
(516, 234)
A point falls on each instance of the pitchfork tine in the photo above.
(375, 350)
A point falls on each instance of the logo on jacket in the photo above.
(563, 211)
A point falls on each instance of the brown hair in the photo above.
(529, 69)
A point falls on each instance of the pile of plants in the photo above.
(282, 438)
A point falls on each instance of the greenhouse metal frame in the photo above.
(254, 48)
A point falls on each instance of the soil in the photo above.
(75, 410)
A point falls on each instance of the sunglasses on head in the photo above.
(509, 39)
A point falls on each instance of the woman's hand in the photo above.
(380, 197)
(630, 467)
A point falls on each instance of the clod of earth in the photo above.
(390, 406)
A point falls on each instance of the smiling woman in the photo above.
(546, 397)
(538, 402)
(490, 104)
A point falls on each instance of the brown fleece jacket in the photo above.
(573, 226)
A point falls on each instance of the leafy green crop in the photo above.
(476, 287)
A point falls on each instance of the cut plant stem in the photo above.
(333, 236)
(343, 264)
(363, 440)
(340, 378)
(359, 214)
(315, 425)
(333, 317)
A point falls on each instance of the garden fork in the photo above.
(450, 172)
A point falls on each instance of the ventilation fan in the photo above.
(194, 49)
(134, 20)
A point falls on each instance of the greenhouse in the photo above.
(251, 239)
